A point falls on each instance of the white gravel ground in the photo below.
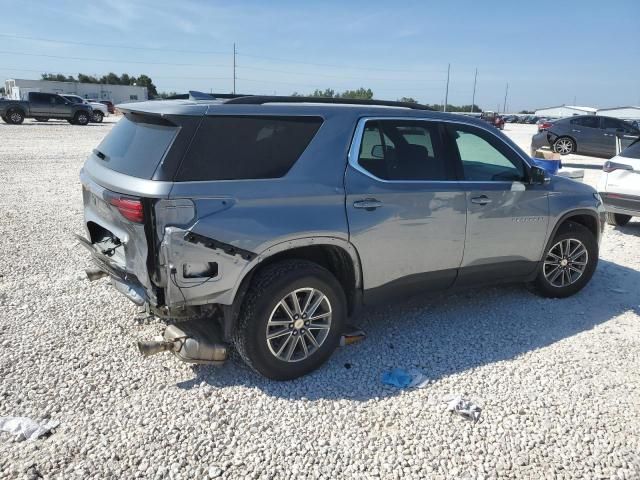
(558, 380)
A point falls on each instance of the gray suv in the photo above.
(265, 222)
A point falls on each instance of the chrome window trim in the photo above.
(356, 141)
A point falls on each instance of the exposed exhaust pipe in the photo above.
(151, 347)
(94, 274)
(193, 341)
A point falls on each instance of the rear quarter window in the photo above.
(136, 145)
(246, 147)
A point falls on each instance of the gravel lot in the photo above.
(558, 380)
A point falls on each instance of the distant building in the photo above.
(564, 111)
(623, 113)
(18, 89)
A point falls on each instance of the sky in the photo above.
(549, 53)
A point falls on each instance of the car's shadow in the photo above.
(631, 228)
(446, 335)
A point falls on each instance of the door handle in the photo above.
(368, 204)
(608, 134)
(576, 131)
(481, 200)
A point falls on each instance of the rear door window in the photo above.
(136, 145)
(589, 122)
(403, 150)
(246, 147)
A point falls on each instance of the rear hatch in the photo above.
(123, 179)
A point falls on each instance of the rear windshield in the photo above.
(136, 145)
(245, 147)
(632, 151)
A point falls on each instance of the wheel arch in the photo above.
(336, 255)
(585, 217)
(15, 108)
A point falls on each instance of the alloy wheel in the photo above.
(564, 146)
(15, 117)
(565, 262)
(299, 325)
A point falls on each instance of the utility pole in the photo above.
(234, 68)
(473, 99)
(504, 107)
(446, 93)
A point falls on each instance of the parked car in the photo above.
(110, 106)
(586, 134)
(512, 119)
(99, 110)
(526, 119)
(619, 185)
(42, 107)
(248, 214)
(493, 118)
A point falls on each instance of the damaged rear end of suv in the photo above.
(183, 200)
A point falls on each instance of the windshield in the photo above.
(136, 145)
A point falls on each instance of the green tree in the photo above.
(2, 91)
(360, 94)
(82, 78)
(145, 81)
(407, 100)
(327, 93)
(57, 77)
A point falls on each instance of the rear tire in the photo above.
(564, 146)
(98, 116)
(269, 310)
(81, 118)
(568, 263)
(15, 117)
(617, 219)
(41, 119)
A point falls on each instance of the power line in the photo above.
(46, 70)
(212, 52)
(109, 60)
(333, 65)
(128, 47)
(248, 67)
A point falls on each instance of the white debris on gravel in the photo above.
(559, 380)
(26, 428)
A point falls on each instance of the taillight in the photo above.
(544, 126)
(129, 208)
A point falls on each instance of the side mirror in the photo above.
(538, 176)
(377, 151)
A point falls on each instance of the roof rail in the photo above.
(262, 99)
(195, 95)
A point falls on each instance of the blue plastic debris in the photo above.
(404, 379)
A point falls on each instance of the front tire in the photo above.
(291, 319)
(98, 116)
(617, 219)
(569, 263)
(564, 146)
(81, 118)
